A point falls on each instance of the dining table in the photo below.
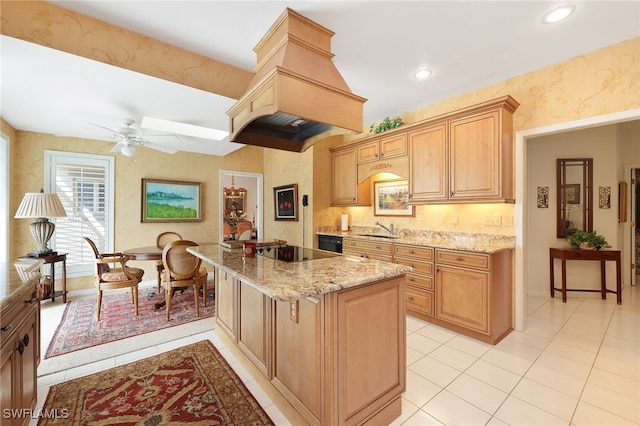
(147, 253)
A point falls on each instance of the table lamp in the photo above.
(41, 206)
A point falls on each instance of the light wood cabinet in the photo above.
(226, 303)
(386, 147)
(473, 293)
(428, 170)
(254, 326)
(419, 282)
(346, 191)
(370, 249)
(19, 356)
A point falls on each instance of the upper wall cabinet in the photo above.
(346, 191)
(465, 157)
(383, 148)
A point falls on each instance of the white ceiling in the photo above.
(377, 46)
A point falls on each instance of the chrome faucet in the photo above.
(390, 228)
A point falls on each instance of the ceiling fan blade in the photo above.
(117, 147)
(159, 147)
(106, 128)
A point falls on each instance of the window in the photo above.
(84, 183)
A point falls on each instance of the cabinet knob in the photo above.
(410, 195)
(381, 154)
(451, 194)
(411, 298)
(411, 279)
(20, 347)
(7, 327)
(411, 252)
(459, 259)
(31, 301)
(25, 340)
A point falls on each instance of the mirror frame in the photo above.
(585, 194)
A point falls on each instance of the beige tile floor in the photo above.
(576, 364)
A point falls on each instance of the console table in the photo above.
(52, 260)
(602, 256)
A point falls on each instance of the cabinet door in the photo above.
(474, 156)
(225, 303)
(462, 297)
(345, 177)
(393, 146)
(298, 363)
(8, 377)
(27, 361)
(369, 151)
(254, 326)
(428, 164)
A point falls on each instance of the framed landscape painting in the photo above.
(171, 201)
(391, 197)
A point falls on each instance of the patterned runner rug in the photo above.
(79, 328)
(190, 385)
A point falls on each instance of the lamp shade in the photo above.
(40, 204)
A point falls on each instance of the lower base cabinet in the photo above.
(339, 358)
(19, 358)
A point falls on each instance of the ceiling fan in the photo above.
(129, 136)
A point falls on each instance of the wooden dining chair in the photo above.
(108, 277)
(244, 230)
(161, 240)
(182, 269)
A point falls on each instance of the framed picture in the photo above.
(286, 202)
(572, 193)
(166, 201)
(391, 198)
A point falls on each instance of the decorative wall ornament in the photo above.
(604, 197)
(543, 197)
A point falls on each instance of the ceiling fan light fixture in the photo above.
(168, 126)
(558, 14)
(128, 151)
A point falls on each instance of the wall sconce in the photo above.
(41, 206)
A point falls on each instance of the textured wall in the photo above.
(598, 83)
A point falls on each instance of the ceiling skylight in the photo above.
(176, 127)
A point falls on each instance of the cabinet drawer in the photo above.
(424, 253)
(393, 146)
(419, 300)
(364, 246)
(421, 281)
(422, 268)
(463, 258)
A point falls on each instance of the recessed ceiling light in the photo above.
(421, 74)
(161, 125)
(558, 14)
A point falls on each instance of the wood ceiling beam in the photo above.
(58, 28)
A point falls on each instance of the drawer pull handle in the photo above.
(20, 347)
(31, 301)
(7, 327)
(411, 298)
(25, 340)
(459, 259)
(412, 252)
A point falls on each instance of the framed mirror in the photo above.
(574, 195)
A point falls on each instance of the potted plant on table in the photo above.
(588, 240)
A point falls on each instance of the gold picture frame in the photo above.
(391, 197)
(171, 201)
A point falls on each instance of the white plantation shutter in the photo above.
(84, 184)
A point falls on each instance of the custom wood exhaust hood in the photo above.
(297, 92)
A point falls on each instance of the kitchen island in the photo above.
(326, 331)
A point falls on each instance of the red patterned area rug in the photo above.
(190, 385)
(79, 329)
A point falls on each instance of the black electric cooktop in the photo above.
(294, 253)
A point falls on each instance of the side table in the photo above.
(601, 256)
(52, 260)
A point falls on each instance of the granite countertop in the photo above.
(14, 276)
(479, 243)
(297, 280)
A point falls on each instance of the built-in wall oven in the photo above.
(330, 243)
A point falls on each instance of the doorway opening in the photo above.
(240, 205)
